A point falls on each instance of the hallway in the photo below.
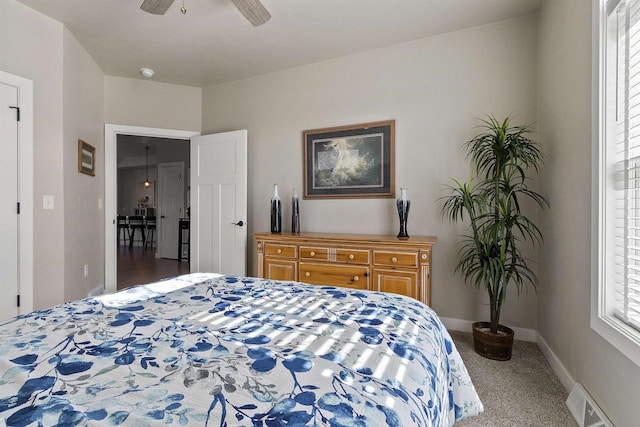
(137, 267)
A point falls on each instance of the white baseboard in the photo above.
(524, 334)
(465, 326)
(98, 290)
(558, 368)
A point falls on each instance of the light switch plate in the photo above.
(47, 201)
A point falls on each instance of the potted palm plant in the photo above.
(491, 254)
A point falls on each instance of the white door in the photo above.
(8, 201)
(219, 203)
(170, 207)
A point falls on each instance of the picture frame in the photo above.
(354, 161)
(86, 158)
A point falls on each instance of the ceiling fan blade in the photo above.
(157, 7)
(253, 10)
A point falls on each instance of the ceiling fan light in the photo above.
(147, 72)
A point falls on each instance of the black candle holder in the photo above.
(295, 213)
(276, 211)
(403, 212)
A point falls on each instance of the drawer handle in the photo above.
(356, 278)
(424, 256)
(312, 253)
(351, 256)
(394, 259)
(279, 251)
(307, 274)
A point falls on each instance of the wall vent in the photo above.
(585, 410)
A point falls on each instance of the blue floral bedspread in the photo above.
(206, 349)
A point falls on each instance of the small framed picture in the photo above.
(86, 158)
(354, 161)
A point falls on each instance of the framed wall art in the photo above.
(86, 158)
(355, 161)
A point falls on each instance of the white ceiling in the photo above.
(213, 43)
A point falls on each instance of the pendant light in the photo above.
(146, 181)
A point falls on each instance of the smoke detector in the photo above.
(147, 72)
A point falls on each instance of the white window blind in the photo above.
(623, 148)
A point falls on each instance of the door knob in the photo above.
(239, 223)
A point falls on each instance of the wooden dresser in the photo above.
(373, 262)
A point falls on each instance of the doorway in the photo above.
(16, 134)
(152, 195)
(218, 229)
(8, 209)
(112, 249)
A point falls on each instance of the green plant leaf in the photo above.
(490, 202)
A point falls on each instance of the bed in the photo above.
(214, 350)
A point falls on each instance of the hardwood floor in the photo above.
(137, 267)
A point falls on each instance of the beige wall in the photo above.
(149, 104)
(434, 88)
(31, 46)
(83, 88)
(564, 296)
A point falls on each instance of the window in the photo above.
(616, 300)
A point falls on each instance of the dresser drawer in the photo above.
(285, 251)
(334, 275)
(353, 256)
(315, 253)
(348, 256)
(400, 259)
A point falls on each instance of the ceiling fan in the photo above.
(253, 10)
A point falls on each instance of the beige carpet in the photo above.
(523, 391)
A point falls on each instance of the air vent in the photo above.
(585, 410)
